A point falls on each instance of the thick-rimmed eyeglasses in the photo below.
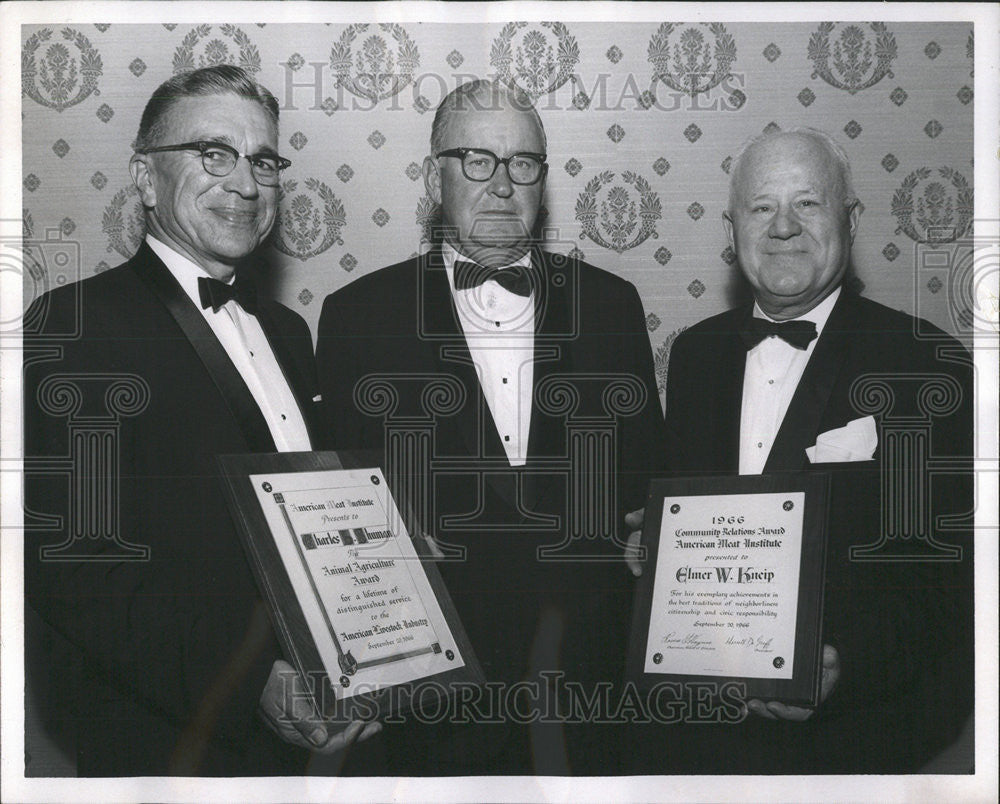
(478, 164)
(220, 159)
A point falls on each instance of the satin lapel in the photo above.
(151, 270)
(800, 426)
(724, 405)
(302, 389)
(472, 430)
(547, 436)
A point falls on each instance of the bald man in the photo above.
(767, 388)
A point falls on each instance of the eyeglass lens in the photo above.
(220, 161)
(481, 165)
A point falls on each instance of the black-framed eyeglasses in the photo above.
(478, 164)
(220, 159)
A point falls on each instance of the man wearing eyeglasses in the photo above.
(169, 665)
(523, 415)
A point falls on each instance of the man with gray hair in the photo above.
(551, 432)
(774, 386)
(168, 663)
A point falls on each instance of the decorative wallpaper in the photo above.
(642, 120)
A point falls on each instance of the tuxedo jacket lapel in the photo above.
(728, 404)
(151, 270)
(800, 426)
(472, 430)
(547, 436)
(442, 336)
(552, 355)
(715, 402)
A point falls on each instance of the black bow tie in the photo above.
(795, 333)
(516, 279)
(214, 294)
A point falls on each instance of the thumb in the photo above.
(831, 671)
(633, 552)
(297, 704)
(633, 519)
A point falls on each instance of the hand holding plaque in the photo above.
(287, 707)
(776, 710)
(358, 604)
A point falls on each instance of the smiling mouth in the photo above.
(236, 215)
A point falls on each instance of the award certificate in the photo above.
(348, 588)
(735, 580)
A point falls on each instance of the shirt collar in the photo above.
(818, 314)
(185, 270)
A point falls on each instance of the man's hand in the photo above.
(634, 523)
(287, 708)
(774, 710)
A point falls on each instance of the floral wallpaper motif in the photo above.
(642, 121)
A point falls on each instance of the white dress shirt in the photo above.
(773, 370)
(499, 329)
(246, 344)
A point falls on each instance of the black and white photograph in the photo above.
(499, 401)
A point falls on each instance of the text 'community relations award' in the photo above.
(733, 587)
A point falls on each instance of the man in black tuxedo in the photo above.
(814, 377)
(512, 393)
(157, 641)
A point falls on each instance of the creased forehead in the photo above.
(201, 117)
(770, 161)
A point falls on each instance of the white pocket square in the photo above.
(856, 441)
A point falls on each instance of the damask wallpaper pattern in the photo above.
(642, 122)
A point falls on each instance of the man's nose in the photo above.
(500, 183)
(785, 223)
(241, 180)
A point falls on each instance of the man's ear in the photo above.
(432, 179)
(854, 217)
(138, 167)
(727, 224)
